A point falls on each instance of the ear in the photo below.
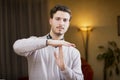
(50, 21)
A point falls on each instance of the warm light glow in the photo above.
(84, 21)
(86, 28)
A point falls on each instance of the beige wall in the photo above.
(100, 14)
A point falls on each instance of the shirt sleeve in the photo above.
(74, 73)
(26, 46)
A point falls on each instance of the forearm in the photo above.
(74, 72)
(28, 45)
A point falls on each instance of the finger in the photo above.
(69, 44)
(73, 45)
(56, 57)
(60, 52)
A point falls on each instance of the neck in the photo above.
(56, 37)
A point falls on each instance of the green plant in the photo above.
(111, 57)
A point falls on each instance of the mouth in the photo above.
(60, 27)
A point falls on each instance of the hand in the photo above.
(60, 59)
(59, 43)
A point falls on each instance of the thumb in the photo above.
(55, 55)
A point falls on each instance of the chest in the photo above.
(46, 55)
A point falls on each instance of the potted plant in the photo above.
(111, 57)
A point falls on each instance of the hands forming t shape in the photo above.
(59, 58)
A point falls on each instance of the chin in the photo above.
(59, 34)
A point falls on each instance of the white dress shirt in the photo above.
(41, 60)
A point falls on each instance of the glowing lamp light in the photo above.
(86, 28)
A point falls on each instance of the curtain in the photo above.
(19, 19)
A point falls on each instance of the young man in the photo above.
(51, 57)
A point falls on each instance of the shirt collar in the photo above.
(50, 37)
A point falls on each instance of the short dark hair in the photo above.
(59, 8)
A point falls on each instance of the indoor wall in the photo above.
(102, 16)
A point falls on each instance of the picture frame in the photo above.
(118, 22)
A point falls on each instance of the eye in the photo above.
(65, 20)
(57, 18)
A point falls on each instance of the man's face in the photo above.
(60, 22)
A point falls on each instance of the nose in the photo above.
(61, 22)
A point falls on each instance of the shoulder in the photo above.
(34, 37)
(73, 50)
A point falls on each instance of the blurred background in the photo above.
(25, 18)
